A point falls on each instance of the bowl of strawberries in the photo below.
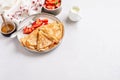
(52, 6)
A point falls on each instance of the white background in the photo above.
(90, 49)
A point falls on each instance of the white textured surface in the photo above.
(90, 49)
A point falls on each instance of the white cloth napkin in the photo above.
(21, 9)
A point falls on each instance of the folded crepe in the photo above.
(44, 37)
(30, 41)
(53, 31)
(43, 42)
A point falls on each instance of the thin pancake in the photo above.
(31, 42)
(42, 41)
(54, 30)
(44, 37)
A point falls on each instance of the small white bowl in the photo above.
(74, 13)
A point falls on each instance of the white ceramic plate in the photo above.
(28, 20)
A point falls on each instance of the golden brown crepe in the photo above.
(23, 40)
(44, 37)
(42, 42)
(53, 31)
(30, 41)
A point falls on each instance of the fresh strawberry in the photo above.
(45, 20)
(26, 31)
(50, 7)
(58, 5)
(35, 25)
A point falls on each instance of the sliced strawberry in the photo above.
(37, 25)
(50, 7)
(30, 30)
(34, 23)
(52, 2)
(59, 0)
(45, 20)
(58, 5)
(26, 31)
(37, 21)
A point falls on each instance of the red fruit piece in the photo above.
(58, 5)
(50, 7)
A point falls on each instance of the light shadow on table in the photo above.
(68, 21)
(6, 39)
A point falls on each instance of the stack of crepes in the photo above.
(44, 38)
